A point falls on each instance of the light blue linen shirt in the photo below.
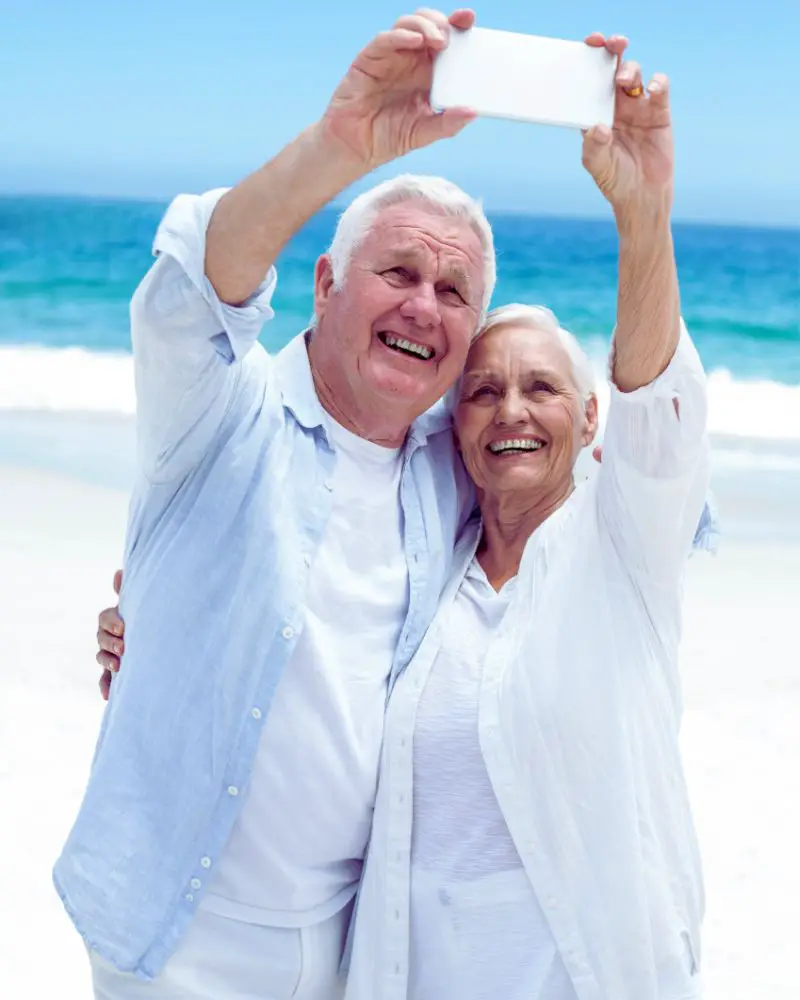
(223, 528)
(233, 501)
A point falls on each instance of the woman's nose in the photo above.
(512, 409)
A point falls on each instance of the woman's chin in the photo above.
(519, 474)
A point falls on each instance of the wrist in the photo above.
(644, 218)
(334, 158)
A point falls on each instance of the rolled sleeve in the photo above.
(182, 236)
(653, 482)
(188, 345)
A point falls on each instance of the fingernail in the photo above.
(654, 87)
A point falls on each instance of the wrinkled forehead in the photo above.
(421, 235)
(511, 351)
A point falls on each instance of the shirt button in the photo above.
(233, 791)
(288, 632)
(189, 897)
(195, 883)
(256, 713)
(205, 862)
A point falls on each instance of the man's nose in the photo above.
(422, 306)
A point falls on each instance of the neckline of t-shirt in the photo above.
(477, 573)
(347, 441)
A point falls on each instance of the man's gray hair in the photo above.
(542, 318)
(359, 217)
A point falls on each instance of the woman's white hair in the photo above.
(359, 217)
(541, 318)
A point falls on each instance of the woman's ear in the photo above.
(590, 421)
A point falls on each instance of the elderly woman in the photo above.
(532, 838)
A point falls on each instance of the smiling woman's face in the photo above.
(521, 421)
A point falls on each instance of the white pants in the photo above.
(224, 959)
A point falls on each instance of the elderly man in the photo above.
(287, 547)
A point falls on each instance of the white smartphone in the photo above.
(502, 74)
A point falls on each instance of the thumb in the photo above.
(442, 125)
(597, 153)
(118, 581)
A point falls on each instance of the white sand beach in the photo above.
(60, 541)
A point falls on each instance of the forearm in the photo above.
(253, 221)
(648, 305)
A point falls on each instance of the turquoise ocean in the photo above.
(68, 268)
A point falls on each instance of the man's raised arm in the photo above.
(380, 111)
(201, 308)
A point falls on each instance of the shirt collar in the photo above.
(297, 384)
(300, 395)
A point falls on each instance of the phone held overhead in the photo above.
(503, 74)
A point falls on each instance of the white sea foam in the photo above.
(70, 379)
(77, 380)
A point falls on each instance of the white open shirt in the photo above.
(579, 715)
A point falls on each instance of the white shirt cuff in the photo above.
(684, 364)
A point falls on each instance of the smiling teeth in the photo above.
(515, 444)
(406, 345)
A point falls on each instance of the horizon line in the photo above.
(791, 226)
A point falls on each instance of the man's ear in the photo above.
(323, 284)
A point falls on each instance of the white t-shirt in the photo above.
(296, 851)
(469, 891)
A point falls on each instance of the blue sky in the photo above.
(152, 97)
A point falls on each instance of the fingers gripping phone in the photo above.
(501, 74)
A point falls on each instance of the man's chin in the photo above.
(415, 391)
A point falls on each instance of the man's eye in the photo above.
(484, 390)
(452, 292)
(397, 273)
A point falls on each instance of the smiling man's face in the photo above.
(400, 326)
